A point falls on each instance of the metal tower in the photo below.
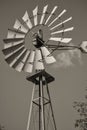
(41, 103)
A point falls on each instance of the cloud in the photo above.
(67, 58)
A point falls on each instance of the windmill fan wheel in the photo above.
(23, 59)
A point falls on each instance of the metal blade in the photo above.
(12, 49)
(38, 60)
(64, 40)
(43, 14)
(11, 57)
(29, 64)
(61, 23)
(11, 44)
(47, 56)
(9, 40)
(83, 46)
(17, 31)
(17, 57)
(27, 20)
(35, 11)
(20, 27)
(54, 9)
(62, 31)
(21, 61)
(57, 17)
(11, 52)
(13, 34)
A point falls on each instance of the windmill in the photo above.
(22, 59)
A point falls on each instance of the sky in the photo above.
(70, 74)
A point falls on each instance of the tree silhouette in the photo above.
(81, 108)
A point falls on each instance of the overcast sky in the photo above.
(70, 76)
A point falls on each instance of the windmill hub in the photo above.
(38, 39)
(38, 42)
